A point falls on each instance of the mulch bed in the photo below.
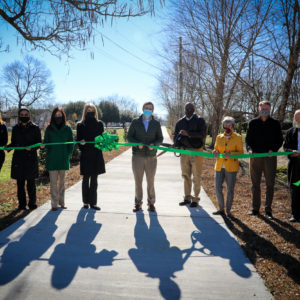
(273, 246)
(8, 191)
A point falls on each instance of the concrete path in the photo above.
(178, 253)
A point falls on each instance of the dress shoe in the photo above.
(184, 202)
(85, 206)
(293, 219)
(194, 204)
(95, 207)
(219, 212)
(269, 215)
(32, 206)
(152, 207)
(137, 207)
(22, 208)
(229, 215)
(54, 208)
(253, 213)
(63, 207)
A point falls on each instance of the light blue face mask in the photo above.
(147, 113)
(296, 124)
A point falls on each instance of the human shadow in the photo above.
(154, 256)
(257, 246)
(31, 246)
(289, 233)
(78, 251)
(15, 218)
(216, 241)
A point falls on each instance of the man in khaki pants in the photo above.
(145, 130)
(190, 133)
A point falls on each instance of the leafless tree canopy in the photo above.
(58, 25)
(234, 54)
(26, 83)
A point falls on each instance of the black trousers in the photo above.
(89, 189)
(295, 202)
(31, 190)
(2, 158)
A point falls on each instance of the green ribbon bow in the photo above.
(106, 142)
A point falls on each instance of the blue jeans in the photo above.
(230, 178)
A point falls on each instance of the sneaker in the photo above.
(219, 212)
(185, 202)
(95, 207)
(194, 204)
(253, 212)
(152, 207)
(137, 207)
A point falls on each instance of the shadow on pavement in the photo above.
(155, 257)
(78, 251)
(31, 246)
(216, 241)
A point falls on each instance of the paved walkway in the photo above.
(178, 253)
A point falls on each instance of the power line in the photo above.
(133, 55)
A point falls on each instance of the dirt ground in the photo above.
(273, 246)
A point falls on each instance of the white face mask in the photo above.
(296, 124)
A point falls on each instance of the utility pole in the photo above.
(180, 100)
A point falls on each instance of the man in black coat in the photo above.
(263, 136)
(190, 133)
(24, 166)
(292, 143)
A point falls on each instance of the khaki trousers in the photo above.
(191, 166)
(266, 165)
(141, 165)
(57, 187)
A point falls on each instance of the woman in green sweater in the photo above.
(58, 156)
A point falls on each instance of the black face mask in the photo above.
(24, 119)
(58, 120)
(189, 112)
(90, 114)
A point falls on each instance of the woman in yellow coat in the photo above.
(228, 143)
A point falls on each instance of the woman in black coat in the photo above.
(24, 166)
(3, 141)
(91, 158)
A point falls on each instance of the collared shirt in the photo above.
(146, 123)
(298, 140)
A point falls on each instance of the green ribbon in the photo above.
(297, 183)
(107, 142)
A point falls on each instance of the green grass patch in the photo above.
(5, 171)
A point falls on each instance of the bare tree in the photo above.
(26, 83)
(220, 36)
(56, 26)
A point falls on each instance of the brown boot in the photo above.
(137, 208)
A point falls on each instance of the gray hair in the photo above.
(228, 119)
